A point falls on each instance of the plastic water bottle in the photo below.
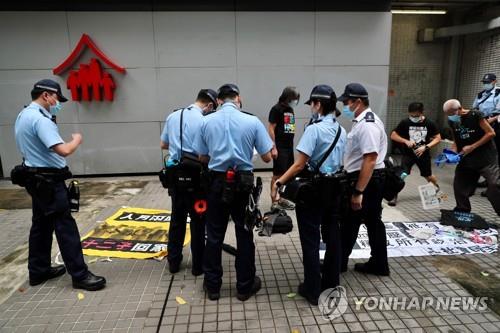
(403, 175)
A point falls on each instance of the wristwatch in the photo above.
(427, 147)
(355, 191)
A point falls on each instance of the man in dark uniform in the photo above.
(43, 152)
(226, 141)
(180, 143)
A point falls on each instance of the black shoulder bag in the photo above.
(302, 190)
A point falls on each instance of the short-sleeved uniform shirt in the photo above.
(229, 136)
(488, 101)
(192, 118)
(366, 136)
(284, 118)
(36, 134)
(421, 133)
(466, 133)
(316, 140)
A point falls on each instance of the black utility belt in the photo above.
(377, 173)
(222, 174)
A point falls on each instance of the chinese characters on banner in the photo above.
(135, 233)
(400, 242)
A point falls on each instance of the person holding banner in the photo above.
(181, 128)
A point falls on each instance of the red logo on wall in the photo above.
(89, 81)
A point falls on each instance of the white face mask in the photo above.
(293, 103)
(415, 119)
(488, 86)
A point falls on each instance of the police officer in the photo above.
(43, 152)
(364, 160)
(324, 213)
(184, 197)
(488, 102)
(227, 139)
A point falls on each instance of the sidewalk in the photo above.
(138, 290)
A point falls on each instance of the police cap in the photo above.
(490, 77)
(210, 94)
(353, 90)
(51, 86)
(228, 89)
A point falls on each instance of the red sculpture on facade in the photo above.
(89, 81)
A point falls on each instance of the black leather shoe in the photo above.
(53, 273)
(91, 282)
(483, 194)
(302, 292)
(482, 184)
(368, 268)
(196, 271)
(257, 284)
(174, 267)
(212, 295)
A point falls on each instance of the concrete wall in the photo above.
(416, 69)
(169, 56)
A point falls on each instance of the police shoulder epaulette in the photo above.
(175, 110)
(317, 121)
(251, 114)
(369, 117)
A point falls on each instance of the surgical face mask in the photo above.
(346, 112)
(455, 118)
(414, 119)
(54, 109)
(293, 103)
(488, 86)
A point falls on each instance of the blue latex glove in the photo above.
(447, 157)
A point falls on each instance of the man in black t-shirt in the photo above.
(416, 135)
(473, 139)
(282, 131)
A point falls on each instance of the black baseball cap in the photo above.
(52, 86)
(210, 94)
(353, 90)
(227, 89)
(490, 77)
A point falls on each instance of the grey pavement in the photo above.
(139, 291)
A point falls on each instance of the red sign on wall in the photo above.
(89, 81)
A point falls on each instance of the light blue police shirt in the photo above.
(35, 134)
(191, 123)
(491, 104)
(316, 140)
(229, 136)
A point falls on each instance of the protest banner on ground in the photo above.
(442, 240)
(131, 232)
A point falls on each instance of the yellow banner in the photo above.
(131, 232)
